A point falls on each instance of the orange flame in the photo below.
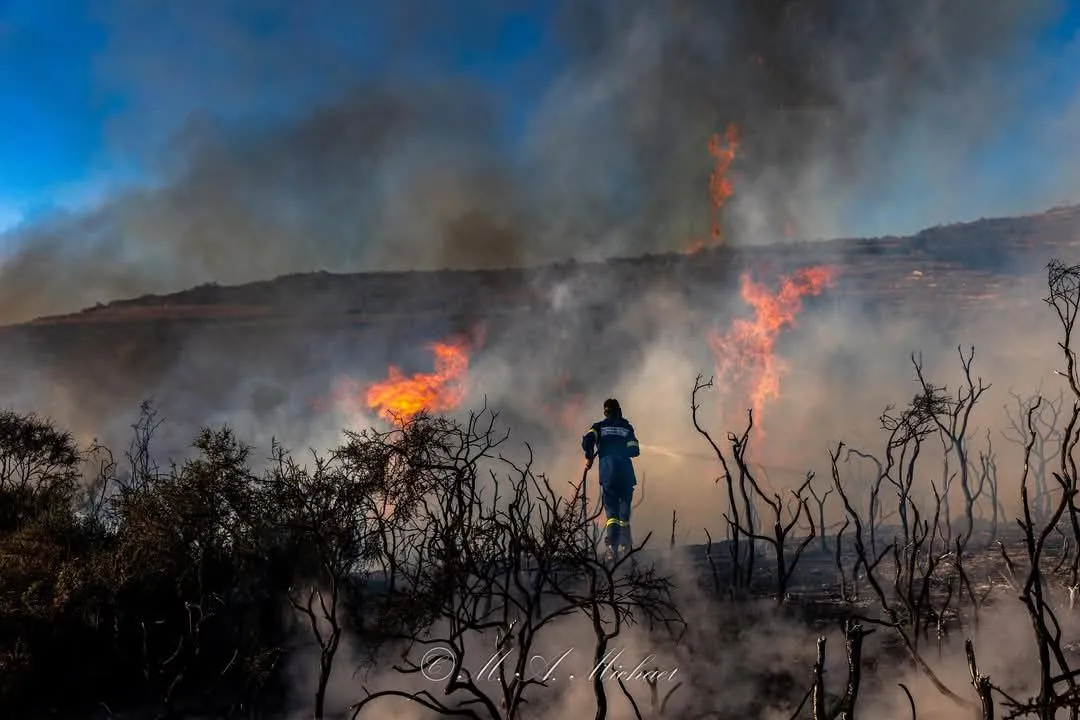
(400, 398)
(695, 247)
(720, 186)
(744, 355)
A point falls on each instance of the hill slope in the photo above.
(966, 262)
(270, 345)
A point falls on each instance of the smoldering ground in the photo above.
(740, 660)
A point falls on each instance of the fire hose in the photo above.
(585, 493)
(585, 516)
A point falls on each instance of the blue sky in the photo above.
(83, 92)
(1026, 166)
(52, 112)
(90, 92)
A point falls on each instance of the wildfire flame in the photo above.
(720, 186)
(399, 397)
(745, 356)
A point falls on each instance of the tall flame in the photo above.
(399, 397)
(745, 356)
(720, 186)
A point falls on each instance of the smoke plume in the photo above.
(365, 138)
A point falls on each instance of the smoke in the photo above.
(747, 659)
(372, 138)
(369, 139)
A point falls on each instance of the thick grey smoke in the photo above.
(357, 138)
(411, 167)
(399, 159)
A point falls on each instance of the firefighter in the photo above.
(613, 440)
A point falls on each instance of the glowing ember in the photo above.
(399, 397)
(720, 185)
(744, 355)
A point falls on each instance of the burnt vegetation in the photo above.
(432, 564)
(184, 590)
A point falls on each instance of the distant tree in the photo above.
(43, 552)
(39, 470)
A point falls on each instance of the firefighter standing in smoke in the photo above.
(613, 440)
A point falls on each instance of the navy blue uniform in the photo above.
(613, 440)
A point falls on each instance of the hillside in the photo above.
(272, 346)
(964, 263)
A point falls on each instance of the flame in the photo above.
(399, 397)
(720, 186)
(695, 247)
(744, 355)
